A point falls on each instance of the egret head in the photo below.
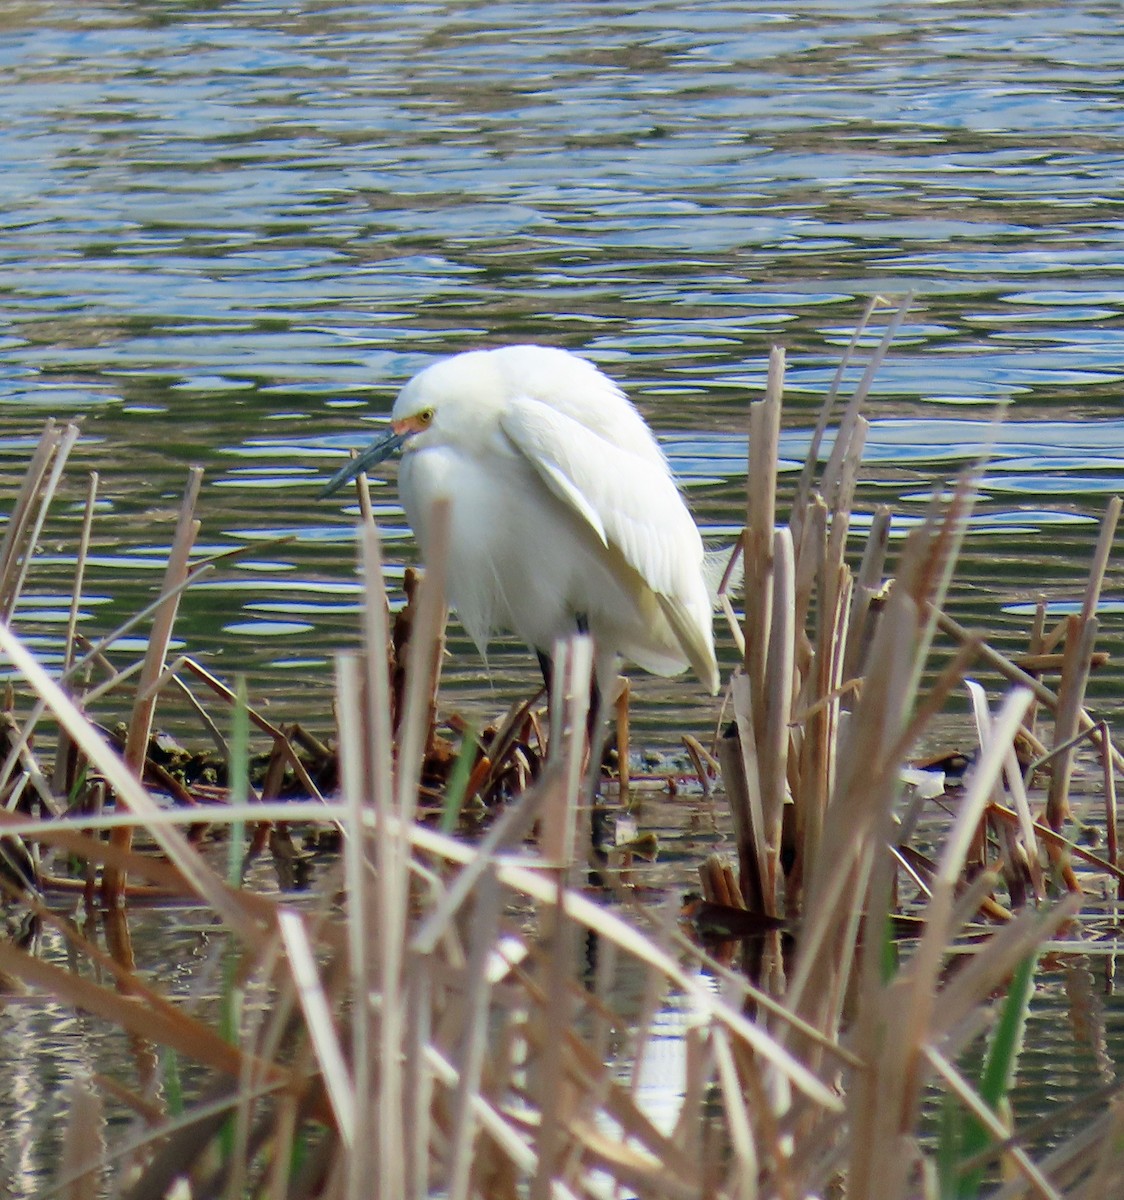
(409, 420)
(448, 401)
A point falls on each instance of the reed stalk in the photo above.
(140, 724)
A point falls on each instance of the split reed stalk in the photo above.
(140, 724)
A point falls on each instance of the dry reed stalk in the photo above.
(705, 764)
(868, 584)
(1005, 667)
(1012, 781)
(12, 589)
(358, 853)
(66, 771)
(764, 435)
(737, 753)
(555, 1015)
(25, 523)
(848, 422)
(774, 733)
(318, 1012)
(1112, 831)
(140, 723)
(1101, 554)
(803, 496)
(569, 707)
(125, 785)
(1081, 632)
(1036, 648)
(369, 783)
(1077, 660)
(821, 696)
(22, 509)
(892, 1028)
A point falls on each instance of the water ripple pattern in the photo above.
(229, 233)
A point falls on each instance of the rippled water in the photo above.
(229, 232)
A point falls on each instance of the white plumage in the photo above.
(562, 508)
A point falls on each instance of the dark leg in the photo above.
(546, 666)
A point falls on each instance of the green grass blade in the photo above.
(173, 1085)
(962, 1136)
(458, 781)
(1006, 1044)
(239, 781)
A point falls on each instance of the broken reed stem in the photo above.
(843, 437)
(764, 442)
(868, 583)
(127, 787)
(757, 710)
(424, 665)
(570, 699)
(140, 725)
(1111, 827)
(17, 519)
(737, 752)
(774, 744)
(80, 569)
(804, 486)
(1100, 558)
(30, 509)
(62, 452)
(1081, 632)
(63, 774)
(1080, 638)
(389, 896)
(1015, 674)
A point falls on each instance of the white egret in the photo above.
(564, 514)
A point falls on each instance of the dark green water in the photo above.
(230, 231)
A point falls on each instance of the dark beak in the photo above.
(380, 449)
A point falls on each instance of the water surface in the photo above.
(229, 232)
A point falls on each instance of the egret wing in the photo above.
(632, 505)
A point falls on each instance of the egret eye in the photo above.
(425, 417)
